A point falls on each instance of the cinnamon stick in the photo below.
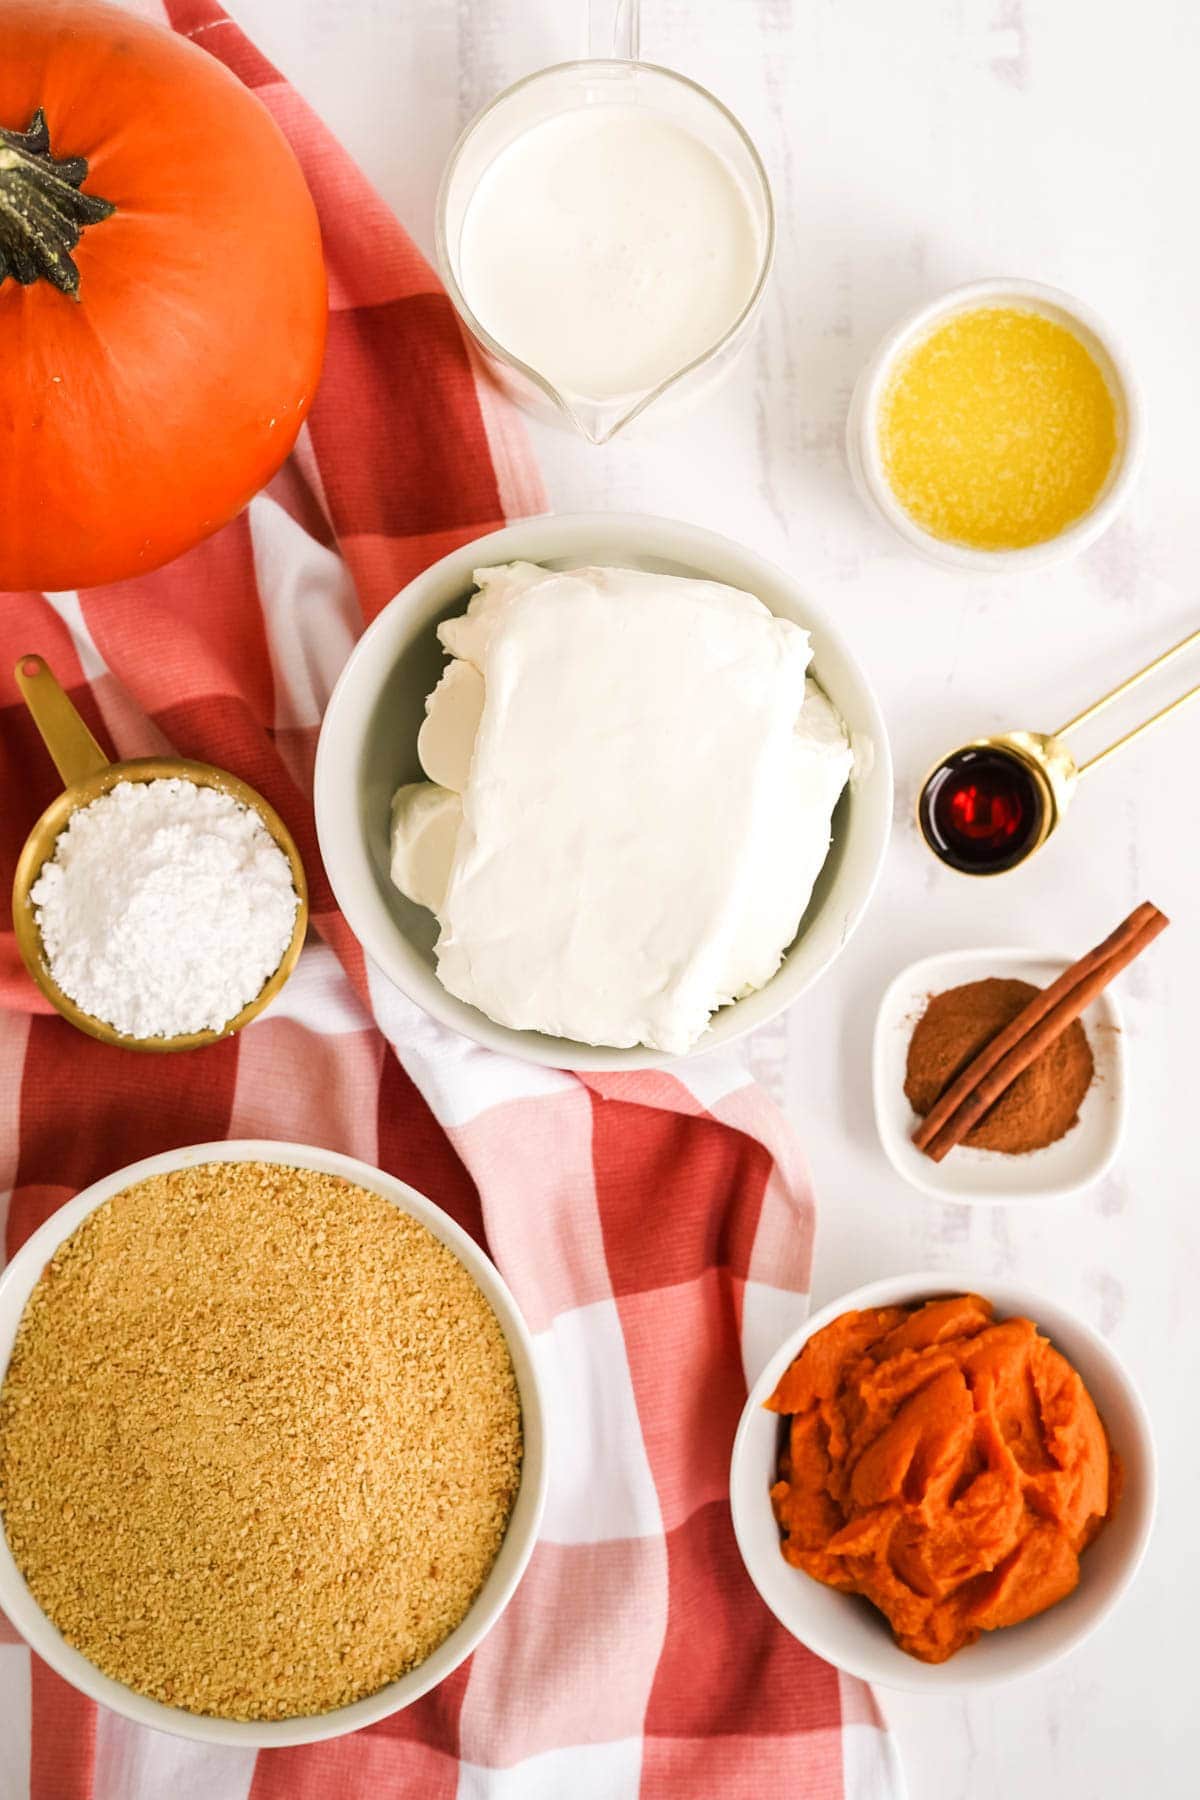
(1048, 1014)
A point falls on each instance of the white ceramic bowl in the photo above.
(15, 1598)
(368, 747)
(846, 1629)
(862, 430)
(1074, 1163)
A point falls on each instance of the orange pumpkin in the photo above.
(162, 295)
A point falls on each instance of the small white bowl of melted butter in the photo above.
(602, 791)
(999, 428)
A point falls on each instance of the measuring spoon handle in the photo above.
(75, 751)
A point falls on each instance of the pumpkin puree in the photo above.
(948, 1467)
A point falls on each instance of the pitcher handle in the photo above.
(614, 28)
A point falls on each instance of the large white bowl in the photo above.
(846, 1629)
(368, 747)
(16, 1600)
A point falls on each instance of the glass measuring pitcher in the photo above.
(644, 92)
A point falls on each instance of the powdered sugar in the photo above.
(165, 908)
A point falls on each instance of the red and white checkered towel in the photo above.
(655, 1229)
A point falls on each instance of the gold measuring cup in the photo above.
(88, 773)
(1044, 763)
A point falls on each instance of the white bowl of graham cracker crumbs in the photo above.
(271, 1443)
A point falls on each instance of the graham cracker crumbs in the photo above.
(260, 1438)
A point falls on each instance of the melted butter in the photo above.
(998, 430)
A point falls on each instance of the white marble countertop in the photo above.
(914, 146)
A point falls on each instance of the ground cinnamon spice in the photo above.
(1041, 1105)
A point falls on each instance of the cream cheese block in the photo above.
(426, 820)
(630, 798)
(446, 740)
(810, 781)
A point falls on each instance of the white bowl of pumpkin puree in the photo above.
(936, 1486)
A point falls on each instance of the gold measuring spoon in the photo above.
(88, 773)
(991, 803)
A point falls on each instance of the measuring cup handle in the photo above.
(75, 751)
(614, 29)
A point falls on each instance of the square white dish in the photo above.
(971, 1176)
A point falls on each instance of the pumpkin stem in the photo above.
(42, 211)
